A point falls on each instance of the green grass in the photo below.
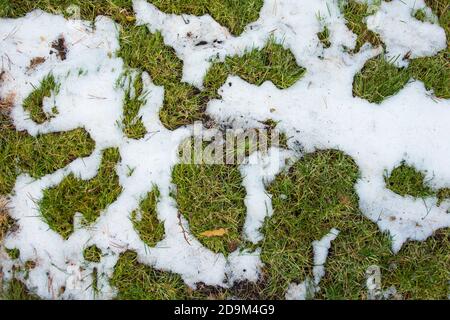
(233, 14)
(132, 125)
(380, 79)
(33, 103)
(324, 37)
(272, 63)
(13, 253)
(355, 14)
(92, 254)
(6, 222)
(183, 103)
(317, 194)
(420, 15)
(119, 10)
(135, 281)
(406, 180)
(16, 290)
(59, 204)
(38, 156)
(146, 222)
(211, 197)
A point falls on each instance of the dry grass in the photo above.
(7, 103)
(5, 219)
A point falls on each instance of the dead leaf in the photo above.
(130, 18)
(214, 233)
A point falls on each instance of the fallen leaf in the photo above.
(214, 233)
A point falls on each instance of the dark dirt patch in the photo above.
(60, 46)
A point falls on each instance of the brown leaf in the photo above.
(214, 233)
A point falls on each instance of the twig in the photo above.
(182, 228)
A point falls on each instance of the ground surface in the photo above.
(313, 195)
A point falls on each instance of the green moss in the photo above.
(92, 254)
(146, 222)
(59, 204)
(211, 197)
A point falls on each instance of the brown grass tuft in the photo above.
(35, 62)
(5, 220)
(7, 103)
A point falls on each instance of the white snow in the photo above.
(318, 112)
(419, 39)
(260, 171)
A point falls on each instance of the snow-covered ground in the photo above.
(318, 111)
